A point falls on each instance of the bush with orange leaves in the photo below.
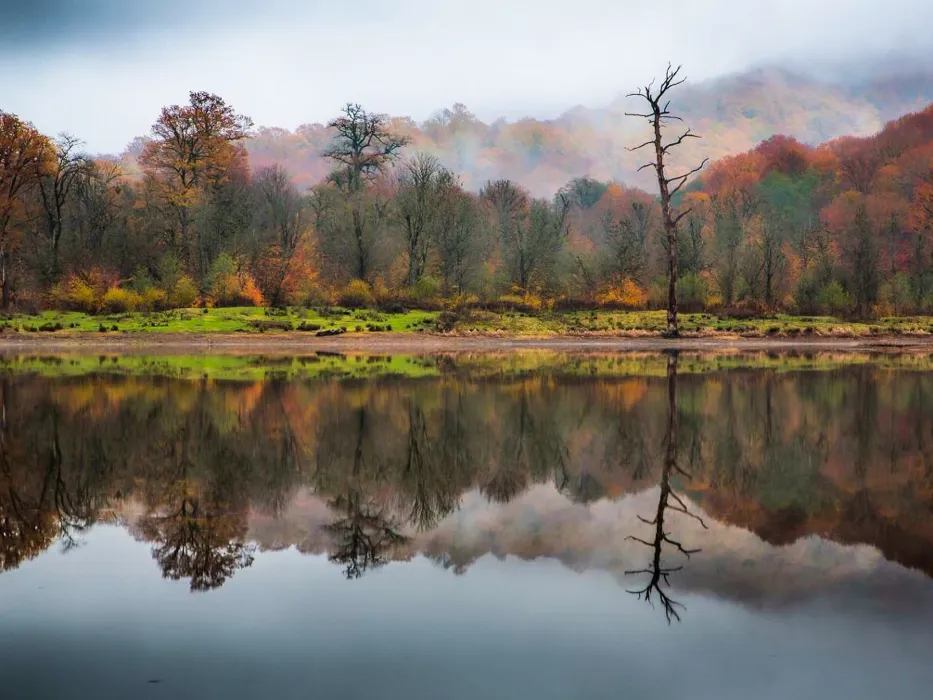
(622, 294)
(231, 284)
(292, 280)
(83, 292)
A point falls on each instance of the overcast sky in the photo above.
(102, 69)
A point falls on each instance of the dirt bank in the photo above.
(416, 343)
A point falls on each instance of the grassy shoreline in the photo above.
(254, 322)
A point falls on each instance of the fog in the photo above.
(103, 69)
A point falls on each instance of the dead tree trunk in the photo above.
(657, 117)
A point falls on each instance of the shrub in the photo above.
(263, 325)
(357, 294)
(529, 302)
(154, 299)
(807, 293)
(183, 294)
(747, 308)
(691, 292)
(657, 293)
(381, 293)
(463, 301)
(626, 294)
(896, 296)
(427, 288)
(231, 285)
(833, 299)
(118, 300)
(74, 294)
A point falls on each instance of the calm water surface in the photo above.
(468, 527)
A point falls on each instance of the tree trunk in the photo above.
(360, 245)
(4, 281)
(672, 328)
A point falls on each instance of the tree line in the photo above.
(182, 219)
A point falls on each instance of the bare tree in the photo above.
(363, 148)
(58, 172)
(658, 116)
(422, 186)
(364, 145)
(456, 236)
(532, 231)
(98, 191)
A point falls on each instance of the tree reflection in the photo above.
(364, 533)
(41, 501)
(373, 471)
(198, 529)
(195, 540)
(658, 571)
(364, 537)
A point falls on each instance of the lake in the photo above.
(536, 524)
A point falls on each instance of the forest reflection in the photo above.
(210, 473)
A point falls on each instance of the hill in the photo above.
(732, 113)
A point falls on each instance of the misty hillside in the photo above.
(732, 113)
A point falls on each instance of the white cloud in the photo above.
(291, 63)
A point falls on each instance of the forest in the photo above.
(187, 217)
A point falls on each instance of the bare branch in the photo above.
(679, 140)
(682, 179)
(681, 215)
(649, 142)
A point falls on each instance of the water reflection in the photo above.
(586, 470)
(668, 499)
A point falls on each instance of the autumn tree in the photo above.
(658, 116)
(21, 149)
(282, 213)
(920, 220)
(193, 150)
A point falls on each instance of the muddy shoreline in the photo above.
(416, 343)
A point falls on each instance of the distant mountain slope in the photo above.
(732, 113)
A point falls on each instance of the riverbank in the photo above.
(422, 343)
(250, 329)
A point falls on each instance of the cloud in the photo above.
(103, 69)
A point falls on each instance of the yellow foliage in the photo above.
(183, 294)
(626, 294)
(355, 295)
(118, 300)
(74, 294)
(154, 299)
